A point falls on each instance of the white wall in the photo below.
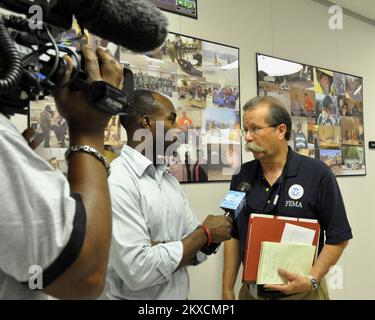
(296, 30)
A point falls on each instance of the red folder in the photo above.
(269, 228)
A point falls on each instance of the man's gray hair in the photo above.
(277, 114)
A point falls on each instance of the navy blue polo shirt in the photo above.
(306, 189)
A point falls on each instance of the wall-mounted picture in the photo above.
(56, 158)
(201, 78)
(352, 131)
(186, 8)
(112, 133)
(329, 137)
(327, 110)
(333, 159)
(326, 107)
(50, 127)
(298, 140)
(52, 134)
(353, 160)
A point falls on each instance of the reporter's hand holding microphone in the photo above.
(214, 229)
(217, 228)
(233, 203)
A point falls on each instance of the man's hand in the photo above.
(296, 283)
(220, 227)
(72, 105)
(29, 134)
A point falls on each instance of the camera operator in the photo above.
(48, 223)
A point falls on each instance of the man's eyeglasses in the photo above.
(255, 130)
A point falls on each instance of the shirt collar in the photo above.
(139, 163)
(292, 162)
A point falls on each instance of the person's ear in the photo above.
(282, 131)
(146, 122)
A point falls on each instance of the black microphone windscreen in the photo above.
(244, 187)
(135, 24)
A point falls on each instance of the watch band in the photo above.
(314, 282)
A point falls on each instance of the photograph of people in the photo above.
(323, 81)
(300, 140)
(328, 112)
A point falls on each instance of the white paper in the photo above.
(296, 258)
(296, 234)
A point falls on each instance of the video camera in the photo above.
(31, 57)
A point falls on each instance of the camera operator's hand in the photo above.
(72, 105)
(87, 176)
(220, 227)
(29, 134)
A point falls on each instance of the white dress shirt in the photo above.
(148, 205)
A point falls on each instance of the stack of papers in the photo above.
(294, 257)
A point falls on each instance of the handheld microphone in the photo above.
(232, 203)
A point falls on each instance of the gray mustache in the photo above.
(253, 146)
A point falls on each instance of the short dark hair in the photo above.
(144, 103)
(327, 102)
(277, 113)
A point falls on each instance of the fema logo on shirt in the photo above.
(296, 192)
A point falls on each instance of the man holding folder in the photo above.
(287, 184)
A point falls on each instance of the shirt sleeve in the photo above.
(136, 262)
(332, 214)
(40, 224)
(192, 223)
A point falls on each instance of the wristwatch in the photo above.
(314, 282)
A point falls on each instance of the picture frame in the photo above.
(326, 107)
(52, 134)
(187, 8)
(201, 78)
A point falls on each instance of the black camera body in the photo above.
(31, 61)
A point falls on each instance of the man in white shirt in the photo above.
(156, 233)
(54, 229)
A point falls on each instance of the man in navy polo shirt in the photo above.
(288, 184)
